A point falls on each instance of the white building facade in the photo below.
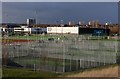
(63, 30)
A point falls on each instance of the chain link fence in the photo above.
(69, 53)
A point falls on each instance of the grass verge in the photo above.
(26, 73)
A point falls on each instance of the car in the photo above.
(50, 39)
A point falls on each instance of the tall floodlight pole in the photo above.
(56, 27)
(62, 26)
(61, 23)
(36, 17)
(36, 39)
(36, 23)
(9, 20)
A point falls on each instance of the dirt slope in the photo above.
(105, 72)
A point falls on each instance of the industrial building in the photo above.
(94, 31)
(78, 30)
(63, 30)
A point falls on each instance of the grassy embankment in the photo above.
(104, 71)
(28, 73)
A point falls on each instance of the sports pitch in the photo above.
(70, 52)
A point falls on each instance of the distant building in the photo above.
(94, 31)
(8, 29)
(78, 30)
(23, 26)
(38, 30)
(31, 22)
(63, 30)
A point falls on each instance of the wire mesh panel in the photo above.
(60, 53)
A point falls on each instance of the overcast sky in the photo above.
(51, 12)
(59, 0)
